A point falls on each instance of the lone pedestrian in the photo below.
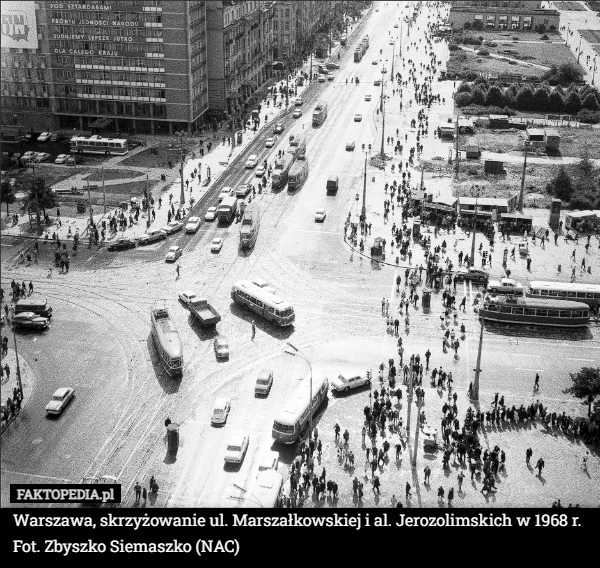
(408, 494)
(144, 494)
(253, 330)
(540, 466)
(536, 384)
(528, 454)
(460, 478)
(138, 491)
(177, 269)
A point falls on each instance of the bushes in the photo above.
(452, 47)
(494, 97)
(524, 100)
(483, 52)
(464, 87)
(540, 28)
(467, 26)
(479, 109)
(462, 99)
(590, 102)
(588, 117)
(478, 96)
(556, 102)
(471, 40)
(540, 99)
(573, 103)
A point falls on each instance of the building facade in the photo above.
(506, 15)
(111, 65)
(240, 44)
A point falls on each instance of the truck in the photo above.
(298, 174)
(281, 170)
(358, 53)
(227, 209)
(202, 311)
(320, 113)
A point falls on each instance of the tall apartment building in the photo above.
(240, 44)
(524, 15)
(287, 29)
(136, 66)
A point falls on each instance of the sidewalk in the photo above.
(9, 383)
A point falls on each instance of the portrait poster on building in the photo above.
(19, 26)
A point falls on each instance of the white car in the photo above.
(322, 78)
(367, 97)
(216, 245)
(225, 192)
(345, 383)
(173, 253)
(211, 214)
(264, 382)
(269, 460)
(220, 411)
(252, 161)
(270, 142)
(236, 448)
(330, 76)
(320, 215)
(61, 158)
(260, 171)
(298, 102)
(44, 137)
(187, 297)
(193, 224)
(28, 156)
(505, 286)
(42, 157)
(297, 113)
(357, 117)
(60, 399)
(173, 227)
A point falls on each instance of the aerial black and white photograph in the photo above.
(301, 254)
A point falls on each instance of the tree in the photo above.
(462, 99)
(467, 25)
(494, 97)
(464, 87)
(8, 195)
(524, 100)
(585, 165)
(561, 185)
(45, 197)
(569, 73)
(590, 102)
(540, 99)
(478, 96)
(586, 385)
(556, 102)
(573, 103)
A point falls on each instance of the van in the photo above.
(333, 184)
(37, 306)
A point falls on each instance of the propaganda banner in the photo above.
(19, 25)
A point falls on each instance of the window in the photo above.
(530, 311)
(590, 295)
(581, 294)
(571, 294)
(542, 293)
(577, 314)
(527, 22)
(553, 293)
(515, 22)
(502, 22)
(553, 313)
(517, 311)
(492, 308)
(505, 309)
(259, 303)
(490, 22)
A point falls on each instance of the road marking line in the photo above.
(575, 359)
(38, 476)
(525, 369)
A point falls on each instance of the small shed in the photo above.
(536, 137)
(446, 131)
(466, 125)
(498, 121)
(516, 222)
(583, 221)
(494, 167)
(472, 150)
(552, 138)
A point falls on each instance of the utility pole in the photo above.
(103, 189)
(417, 429)
(90, 204)
(457, 156)
(477, 191)
(37, 205)
(409, 401)
(383, 117)
(363, 212)
(475, 393)
(520, 207)
(182, 195)
(19, 383)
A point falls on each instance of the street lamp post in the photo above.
(182, 194)
(297, 353)
(19, 383)
(383, 118)
(520, 207)
(475, 392)
(477, 190)
(363, 213)
(594, 71)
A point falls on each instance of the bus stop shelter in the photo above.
(516, 222)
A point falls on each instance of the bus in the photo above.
(267, 490)
(293, 419)
(227, 209)
(263, 302)
(533, 311)
(98, 145)
(167, 342)
(575, 291)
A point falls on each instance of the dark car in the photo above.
(31, 320)
(472, 274)
(122, 244)
(74, 159)
(152, 237)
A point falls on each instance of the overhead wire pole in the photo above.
(182, 195)
(19, 383)
(477, 191)
(520, 207)
(475, 392)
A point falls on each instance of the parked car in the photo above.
(320, 215)
(367, 97)
(187, 297)
(279, 128)
(264, 382)
(252, 161)
(322, 78)
(30, 320)
(211, 214)
(122, 243)
(216, 245)
(220, 411)
(152, 236)
(505, 286)
(472, 274)
(345, 383)
(298, 101)
(270, 142)
(55, 137)
(74, 159)
(60, 399)
(243, 190)
(357, 117)
(330, 76)
(42, 157)
(28, 156)
(193, 224)
(44, 137)
(350, 145)
(332, 65)
(221, 347)
(236, 448)
(297, 113)
(61, 158)
(173, 253)
(260, 171)
(173, 227)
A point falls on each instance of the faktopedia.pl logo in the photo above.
(14, 25)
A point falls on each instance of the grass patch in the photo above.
(464, 62)
(109, 175)
(157, 157)
(546, 54)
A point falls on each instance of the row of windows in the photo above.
(515, 22)
(24, 102)
(123, 76)
(113, 47)
(152, 64)
(109, 16)
(537, 312)
(116, 31)
(130, 109)
(256, 302)
(565, 294)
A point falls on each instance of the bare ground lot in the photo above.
(109, 175)
(547, 54)
(154, 158)
(465, 62)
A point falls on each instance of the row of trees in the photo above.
(527, 98)
(36, 192)
(579, 185)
